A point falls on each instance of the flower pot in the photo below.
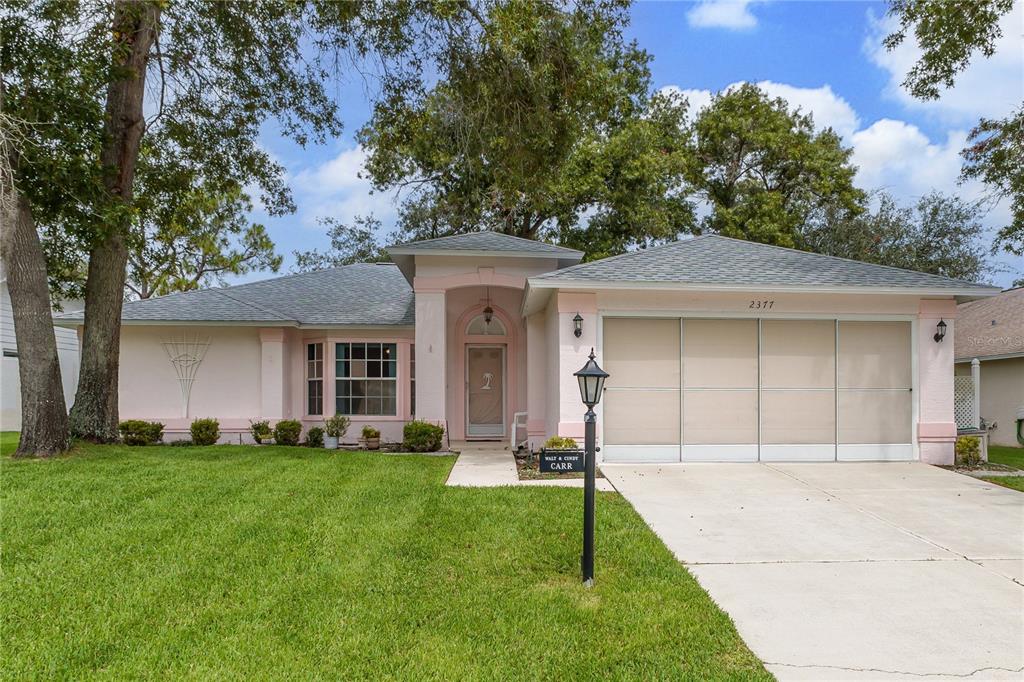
(331, 442)
(373, 443)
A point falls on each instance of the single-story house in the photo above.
(10, 379)
(991, 332)
(718, 350)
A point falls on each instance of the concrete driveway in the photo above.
(849, 571)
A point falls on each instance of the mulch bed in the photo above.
(529, 468)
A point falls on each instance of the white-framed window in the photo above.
(366, 378)
(479, 326)
(412, 380)
(314, 378)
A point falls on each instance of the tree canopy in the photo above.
(764, 171)
(542, 112)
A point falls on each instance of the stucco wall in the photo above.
(227, 383)
(1002, 394)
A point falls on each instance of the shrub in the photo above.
(370, 432)
(138, 432)
(260, 430)
(287, 432)
(337, 426)
(560, 443)
(205, 431)
(968, 451)
(315, 437)
(421, 436)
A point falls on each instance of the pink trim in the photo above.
(577, 303)
(930, 308)
(510, 341)
(483, 277)
(936, 432)
(536, 427)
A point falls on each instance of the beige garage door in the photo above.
(744, 390)
(875, 400)
(641, 403)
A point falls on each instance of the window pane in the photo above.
(372, 368)
(389, 406)
(343, 406)
(341, 351)
(358, 351)
(357, 368)
(311, 351)
(373, 389)
(388, 389)
(390, 351)
(358, 405)
(373, 351)
(391, 368)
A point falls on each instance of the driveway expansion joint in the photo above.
(897, 672)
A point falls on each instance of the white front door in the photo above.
(485, 391)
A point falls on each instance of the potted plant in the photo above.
(335, 427)
(260, 431)
(371, 437)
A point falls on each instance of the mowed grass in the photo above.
(8, 442)
(1012, 482)
(1004, 454)
(235, 562)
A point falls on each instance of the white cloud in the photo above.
(730, 14)
(989, 87)
(827, 108)
(334, 188)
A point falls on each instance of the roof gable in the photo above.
(494, 243)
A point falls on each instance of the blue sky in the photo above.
(824, 57)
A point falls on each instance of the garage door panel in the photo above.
(641, 417)
(874, 355)
(719, 353)
(720, 417)
(798, 417)
(642, 353)
(798, 354)
(874, 417)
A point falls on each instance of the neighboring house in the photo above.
(718, 349)
(992, 331)
(10, 381)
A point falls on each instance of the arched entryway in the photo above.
(486, 339)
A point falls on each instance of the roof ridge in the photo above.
(470, 234)
(841, 258)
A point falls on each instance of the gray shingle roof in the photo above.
(713, 260)
(485, 241)
(991, 327)
(360, 294)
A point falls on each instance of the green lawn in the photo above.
(1014, 482)
(273, 562)
(8, 442)
(1004, 454)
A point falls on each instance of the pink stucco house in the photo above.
(718, 350)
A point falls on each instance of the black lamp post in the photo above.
(591, 379)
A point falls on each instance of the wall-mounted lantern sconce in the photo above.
(577, 323)
(940, 331)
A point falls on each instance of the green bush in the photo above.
(968, 451)
(315, 437)
(205, 431)
(337, 426)
(370, 432)
(287, 432)
(184, 443)
(139, 432)
(260, 430)
(560, 443)
(421, 436)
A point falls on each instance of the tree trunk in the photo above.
(44, 416)
(94, 415)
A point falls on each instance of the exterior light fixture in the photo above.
(577, 323)
(940, 331)
(591, 379)
(488, 310)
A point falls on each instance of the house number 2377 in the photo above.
(762, 305)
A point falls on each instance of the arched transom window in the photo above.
(478, 326)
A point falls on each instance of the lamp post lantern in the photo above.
(591, 379)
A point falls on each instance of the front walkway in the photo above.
(487, 464)
(849, 571)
